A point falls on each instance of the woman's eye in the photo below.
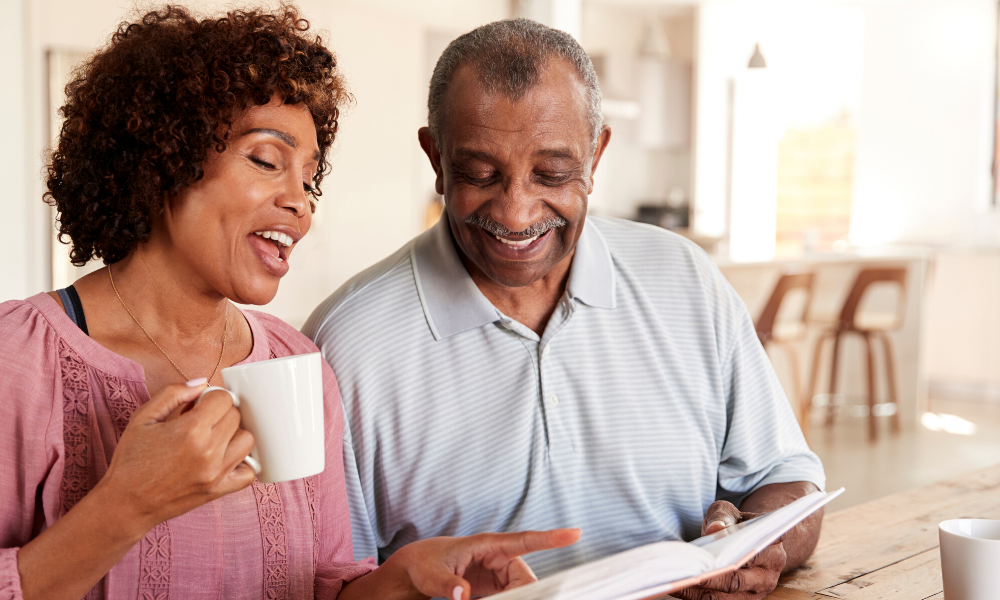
(308, 188)
(261, 162)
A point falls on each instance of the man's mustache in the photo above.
(533, 230)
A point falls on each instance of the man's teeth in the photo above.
(276, 236)
(517, 244)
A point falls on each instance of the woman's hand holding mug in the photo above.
(249, 459)
(171, 460)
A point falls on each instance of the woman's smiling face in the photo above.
(236, 227)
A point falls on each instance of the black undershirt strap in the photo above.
(74, 297)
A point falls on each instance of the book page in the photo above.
(619, 575)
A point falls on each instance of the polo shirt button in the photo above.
(553, 400)
(545, 352)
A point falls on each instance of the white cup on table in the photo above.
(970, 559)
(281, 404)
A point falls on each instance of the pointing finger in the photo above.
(525, 542)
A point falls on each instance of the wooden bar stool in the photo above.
(785, 334)
(868, 326)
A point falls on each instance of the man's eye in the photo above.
(308, 188)
(261, 162)
(552, 178)
(480, 179)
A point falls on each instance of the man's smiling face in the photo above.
(516, 175)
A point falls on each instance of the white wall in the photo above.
(373, 200)
(813, 52)
(637, 168)
(14, 282)
(963, 323)
(926, 123)
(925, 109)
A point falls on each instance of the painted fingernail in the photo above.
(197, 382)
(457, 593)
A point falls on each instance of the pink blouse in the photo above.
(64, 402)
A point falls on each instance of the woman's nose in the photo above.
(294, 197)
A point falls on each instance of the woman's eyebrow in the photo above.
(281, 135)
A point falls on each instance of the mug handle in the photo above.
(250, 460)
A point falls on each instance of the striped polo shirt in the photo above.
(647, 397)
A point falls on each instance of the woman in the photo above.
(189, 161)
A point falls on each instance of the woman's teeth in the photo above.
(276, 237)
(517, 244)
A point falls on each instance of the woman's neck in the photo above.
(166, 297)
(177, 322)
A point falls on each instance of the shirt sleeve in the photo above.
(30, 434)
(764, 443)
(361, 520)
(10, 580)
(335, 564)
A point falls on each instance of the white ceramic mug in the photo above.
(281, 404)
(970, 559)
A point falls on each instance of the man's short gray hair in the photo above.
(508, 57)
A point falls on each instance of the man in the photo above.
(522, 366)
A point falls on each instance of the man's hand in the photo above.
(759, 577)
(753, 580)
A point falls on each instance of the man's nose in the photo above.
(517, 208)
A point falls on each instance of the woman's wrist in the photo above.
(399, 570)
(71, 556)
(391, 581)
(131, 522)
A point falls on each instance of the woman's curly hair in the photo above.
(143, 113)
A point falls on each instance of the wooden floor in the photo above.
(915, 457)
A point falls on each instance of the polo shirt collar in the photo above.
(592, 275)
(452, 302)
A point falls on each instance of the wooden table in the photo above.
(888, 548)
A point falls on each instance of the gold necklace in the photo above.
(225, 333)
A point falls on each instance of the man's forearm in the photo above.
(800, 541)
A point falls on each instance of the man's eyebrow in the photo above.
(473, 154)
(281, 135)
(461, 153)
(556, 153)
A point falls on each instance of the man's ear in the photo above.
(434, 155)
(602, 143)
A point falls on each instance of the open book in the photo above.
(657, 569)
